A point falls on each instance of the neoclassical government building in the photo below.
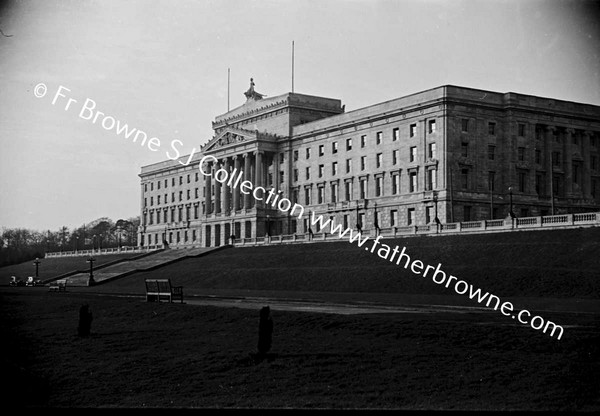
(459, 153)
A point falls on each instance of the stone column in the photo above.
(207, 192)
(236, 191)
(276, 171)
(218, 207)
(549, 137)
(568, 160)
(586, 174)
(226, 188)
(247, 177)
(258, 172)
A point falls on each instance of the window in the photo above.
(151, 186)
(172, 196)
(334, 191)
(348, 165)
(491, 152)
(181, 180)
(413, 130)
(428, 215)
(321, 150)
(363, 162)
(522, 181)
(575, 139)
(491, 181)
(410, 216)
(320, 195)
(556, 158)
(346, 223)
(281, 174)
(181, 195)
(464, 178)
(413, 182)
(295, 175)
(188, 194)
(172, 181)
(521, 153)
(538, 156)
(307, 173)
(492, 128)
(363, 188)
(395, 184)
(431, 125)
(413, 154)
(308, 152)
(363, 141)
(195, 213)
(464, 149)
(393, 217)
(321, 170)
(594, 162)
(295, 196)
(307, 199)
(188, 178)
(379, 137)
(334, 168)
(465, 125)
(180, 212)
(466, 213)
(151, 200)
(295, 155)
(378, 186)
(348, 144)
(576, 173)
(431, 179)
(157, 184)
(165, 216)
(334, 147)
(348, 191)
(395, 134)
(540, 184)
(521, 130)
(432, 151)
(145, 202)
(378, 159)
(395, 157)
(158, 200)
(196, 178)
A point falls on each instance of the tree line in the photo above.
(18, 245)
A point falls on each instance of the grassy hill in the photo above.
(549, 263)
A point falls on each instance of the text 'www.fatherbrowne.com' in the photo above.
(401, 258)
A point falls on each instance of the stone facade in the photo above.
(458, 153)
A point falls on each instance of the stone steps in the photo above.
(127, 267)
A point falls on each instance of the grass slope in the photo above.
(553, 263)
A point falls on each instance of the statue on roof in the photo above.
(251, 93)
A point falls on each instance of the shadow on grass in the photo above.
(256, 358)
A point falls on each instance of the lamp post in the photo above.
(358, 225)
(436, 219)
(37, 265)
(375, 221)
(91, 261)
(94, 242)
(510, 212)
(76, 243)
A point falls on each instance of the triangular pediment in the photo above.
(230, 136)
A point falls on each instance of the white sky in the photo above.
(161, 66)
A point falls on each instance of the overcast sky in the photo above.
(161, 67)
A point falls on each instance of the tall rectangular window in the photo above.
(413, 130)
(413, 154)
(307, 172)
(348, 144)
(492, 128)
(393, 218)
(522, 181)
(491, 180)
(464, 178)
(348, 191)
(521, 153)
(379, 137)
(432, 151)
(295, 175)
(491, 152)
(395, 157)
(363, 188)
(395, 134)
(334, 168)
(431, 179)
(307, 199)
(465, 125)
(363, 162)
(363, 141)
(334, 147)
(334, 192)
(521, 130)
(321, 150)
(556, 158)
(295, 155)
(431, 126)
(320, 195)
(464, 149)
(538, 156)
(378, 186)
(395, 184)
(413, 182)
(308, 152)
(321, 170)
(410, 216)
(348, 165)
(379, 159)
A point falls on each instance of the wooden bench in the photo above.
(159, 289)
(58, 286)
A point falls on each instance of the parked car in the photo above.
(33, 282)
(14, 281)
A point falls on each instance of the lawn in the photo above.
(147, 355)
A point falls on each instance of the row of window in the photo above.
(166, 182)
(166, 197)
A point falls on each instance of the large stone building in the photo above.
(461, 153)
